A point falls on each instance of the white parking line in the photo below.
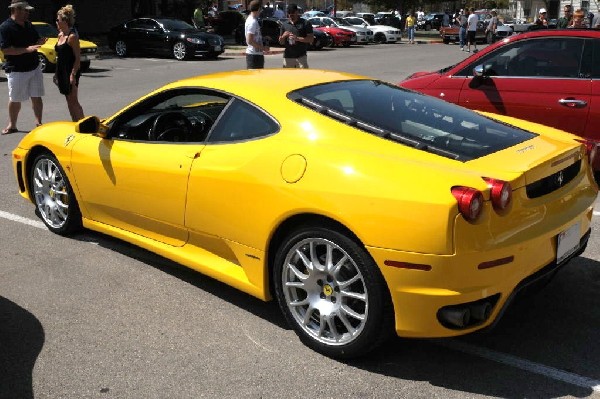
(533, 367)
(20, 219)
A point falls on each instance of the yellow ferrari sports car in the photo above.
(363, 208)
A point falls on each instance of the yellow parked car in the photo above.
(362, 207)
(89, 50)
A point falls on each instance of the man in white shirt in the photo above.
(255, 58)
(471, 30)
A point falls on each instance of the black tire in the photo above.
(45, 65)
(121, 48)
(84, 66)
(380, 38)
(352, 288)
(446, 40)
(53, 196)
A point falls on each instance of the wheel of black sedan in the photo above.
(179, 51)
(332, 293)
(121, 48)
(53, 196)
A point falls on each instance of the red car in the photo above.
(341, 37)
(550, 77)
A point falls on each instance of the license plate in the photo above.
(567, 242)
(217, 48)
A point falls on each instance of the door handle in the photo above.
(572, 103)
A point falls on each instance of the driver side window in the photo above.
(180, 115)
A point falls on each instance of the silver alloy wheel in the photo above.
(51, 193)
(179, 50)
(121, 48)
(325, 291)
(43, 62)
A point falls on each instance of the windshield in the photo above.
(174, 24)
(356, 21)
(46, 30)
(328, 21)
(410, 118)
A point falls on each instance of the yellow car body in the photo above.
(47, 54)
(225, 208)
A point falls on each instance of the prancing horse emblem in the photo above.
(560, 178)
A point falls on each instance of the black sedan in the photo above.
(164, 36)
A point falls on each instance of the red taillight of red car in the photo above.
(470, 202)
(500, 193)
(591, 149)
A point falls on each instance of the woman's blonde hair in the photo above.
(67, 14)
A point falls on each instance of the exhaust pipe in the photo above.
(457, 317)
(481, 311)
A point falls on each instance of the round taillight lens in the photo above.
(500, 193)
(470, 202)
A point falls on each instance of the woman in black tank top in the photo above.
(68, 60)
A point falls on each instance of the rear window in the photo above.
(410, 118)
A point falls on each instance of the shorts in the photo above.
(471, 36)
(300, 62)
(255, 61)
(24, 85)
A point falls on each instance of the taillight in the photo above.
(500, 193)
(591, 149)
(470, 202)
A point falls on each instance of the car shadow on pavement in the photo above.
(268, 311)
(21, 340)
(555, 329)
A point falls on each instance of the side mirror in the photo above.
(91, 124)
(478, 71)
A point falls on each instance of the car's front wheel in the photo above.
(121, 48)
(179, 51)
(332, 292)
(53, 196)
(45, 65)
(380, 38)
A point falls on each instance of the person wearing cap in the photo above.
(19, 42)
(296, 35)
(542, 18)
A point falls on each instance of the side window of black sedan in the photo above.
(242, 121)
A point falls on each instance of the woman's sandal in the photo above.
(9, 130)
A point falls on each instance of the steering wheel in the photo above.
(170, 126)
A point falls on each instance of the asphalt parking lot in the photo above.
(94, 317)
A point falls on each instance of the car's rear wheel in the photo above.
(332, 292)
(121, 48)
(45, 65)
(179, 51)
(53, 196)
(380, 38)
(446, 40)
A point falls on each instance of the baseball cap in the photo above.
(20, 4)
(542, 10)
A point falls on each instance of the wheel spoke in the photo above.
(346, 322)
(304, 259)
(308, 315)
(354, 295)
(300, 303)
(297, 272)
(352, 313)
(347, 283)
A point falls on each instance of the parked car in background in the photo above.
(367, 16)
(47, 54)
(550, 77)
(167, 36)
(363, 35)
(313, 13)
(388, 19)
(225, 22)
(450, 33)
(433, 20)
(381, 33)
(340, 37)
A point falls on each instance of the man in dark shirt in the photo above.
(19, 42)
(296, 35)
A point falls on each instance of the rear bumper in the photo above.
(457, 280)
